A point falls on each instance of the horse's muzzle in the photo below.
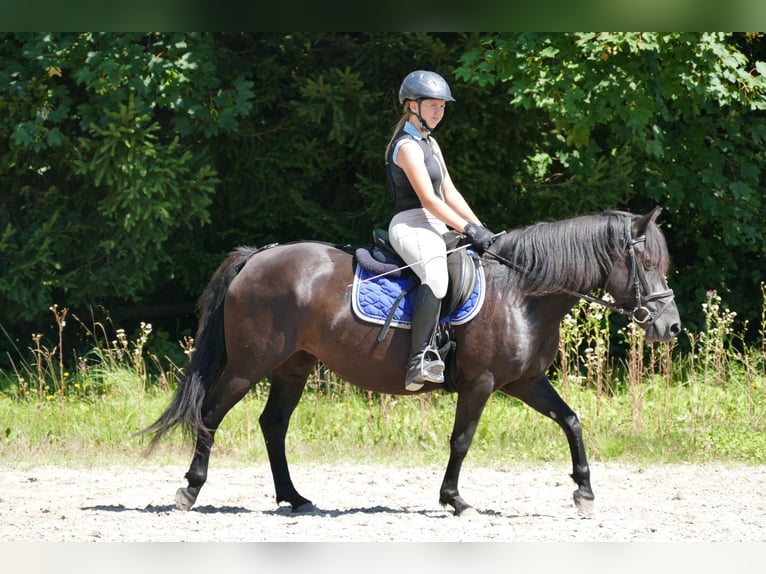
(662, 324)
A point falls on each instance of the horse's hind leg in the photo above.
(541, 396)
(287, 384)
(227, 392)
(197, 473)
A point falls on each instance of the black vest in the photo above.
(401, 189)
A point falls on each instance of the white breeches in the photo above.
(417, 237)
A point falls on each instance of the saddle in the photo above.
(382, 258)
(389, 281)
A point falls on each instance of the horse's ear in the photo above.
(642, 223)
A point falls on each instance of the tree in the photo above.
(130, 164)
(637, 119)
(105, 161)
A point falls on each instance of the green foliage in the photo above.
(131, 163)
(636, 119)
(105, 162)
(311, 155)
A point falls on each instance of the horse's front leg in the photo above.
(470, 405)
(541, 396)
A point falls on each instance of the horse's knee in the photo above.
(269, 420)
(461, 443)
(573, 423)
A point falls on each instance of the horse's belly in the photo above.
(356, 356)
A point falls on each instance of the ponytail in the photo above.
(398, 128)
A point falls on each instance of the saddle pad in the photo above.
(372, 300)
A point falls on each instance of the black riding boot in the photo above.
(424, 364)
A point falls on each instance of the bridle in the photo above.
(640, 313)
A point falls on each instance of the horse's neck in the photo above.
(556, 306)
(556, 258)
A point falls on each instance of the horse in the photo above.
(279, 310)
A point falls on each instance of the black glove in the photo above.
(481, 237)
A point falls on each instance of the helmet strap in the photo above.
(423, 126)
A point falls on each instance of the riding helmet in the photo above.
(422, 84)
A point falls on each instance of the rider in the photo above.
(426, 202)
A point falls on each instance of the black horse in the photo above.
(279, 310)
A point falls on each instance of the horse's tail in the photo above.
(208, 357)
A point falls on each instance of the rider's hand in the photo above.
(481, 237)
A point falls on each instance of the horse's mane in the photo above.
(572, 254)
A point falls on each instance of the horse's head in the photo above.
(638, 283)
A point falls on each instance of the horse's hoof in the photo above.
(184, 501)
(304, 508)
(585, 506)
(467, 512)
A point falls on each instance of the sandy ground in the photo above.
(368, 503)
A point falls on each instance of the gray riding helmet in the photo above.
(422, 84)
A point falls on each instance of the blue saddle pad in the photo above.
(372, 300)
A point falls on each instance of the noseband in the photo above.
(640, 313)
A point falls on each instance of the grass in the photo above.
(685, 423)
(653, 405)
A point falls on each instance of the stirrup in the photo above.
(428, 369)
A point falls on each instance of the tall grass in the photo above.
(648, 403)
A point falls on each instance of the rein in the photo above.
(640, 313)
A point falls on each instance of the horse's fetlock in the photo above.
(447, 497)
(196, 478)
(580, 473)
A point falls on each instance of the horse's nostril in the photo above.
(675, 329)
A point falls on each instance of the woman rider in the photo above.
(426, 203)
